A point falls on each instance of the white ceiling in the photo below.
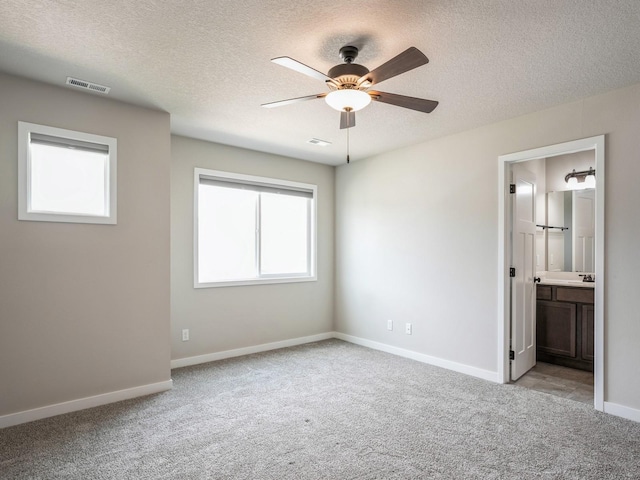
(207, 62)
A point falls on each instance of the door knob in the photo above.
(536, 279)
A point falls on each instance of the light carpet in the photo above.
(328, 410)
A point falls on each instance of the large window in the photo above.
(65, 176)
(252, 230)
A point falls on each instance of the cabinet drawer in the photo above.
(543, 292)
(578, 295)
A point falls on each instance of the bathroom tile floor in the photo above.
(559, 381)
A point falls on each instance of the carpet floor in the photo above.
(327, 410)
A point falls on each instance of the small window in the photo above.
(251, 230)
(65, 176)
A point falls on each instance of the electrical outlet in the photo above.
(407, 328)
(185, 334)
(389, 324)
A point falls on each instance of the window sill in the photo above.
(255, 281)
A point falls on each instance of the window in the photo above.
(251, 230)
(65, 176)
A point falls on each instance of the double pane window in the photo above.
(253, 230)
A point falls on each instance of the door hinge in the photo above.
(512, 355)
(512, 188)
(512, 271)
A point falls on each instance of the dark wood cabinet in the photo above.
(564, 326)
(556, 328)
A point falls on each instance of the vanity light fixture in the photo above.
(588, 177)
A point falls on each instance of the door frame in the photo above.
(597, 144)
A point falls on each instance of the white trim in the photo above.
(503, 279)
(82, 403)
(25, 130)
(257, 281)
(238, 352)
(421, 357)
(597, 144)
(622, 411)
(401, 352)
(312, 259)
(119, 395)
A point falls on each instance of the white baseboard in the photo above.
(238, 352)
(111, 397)
(421, 357)
(622, 411)
(82, 403)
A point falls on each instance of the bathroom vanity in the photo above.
(565, 323)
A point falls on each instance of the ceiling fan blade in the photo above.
(347, 119)
(408, 60)
(301, 68)
(280, 103)
(419, 104)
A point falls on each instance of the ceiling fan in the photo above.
(349, 83)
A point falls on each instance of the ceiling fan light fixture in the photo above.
(348, 99)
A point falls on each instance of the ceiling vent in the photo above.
(94, 87)
(320, 143)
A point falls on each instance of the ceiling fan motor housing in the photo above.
(348, 74)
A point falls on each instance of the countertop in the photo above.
(566, 283)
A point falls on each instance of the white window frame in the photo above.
(270, 182)
(25, 130)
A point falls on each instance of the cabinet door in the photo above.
(556, 328)
(587, 332)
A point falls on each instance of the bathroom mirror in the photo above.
(569, 235)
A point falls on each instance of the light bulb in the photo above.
(590, 181)
(573, 183)
(347, 98)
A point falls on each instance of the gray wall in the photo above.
(417, 237)
(84, 309)
(227, 318)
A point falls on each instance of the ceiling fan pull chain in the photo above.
(348, 145)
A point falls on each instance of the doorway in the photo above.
(595, 144)
(559, 381)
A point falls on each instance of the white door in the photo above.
(523, 292)
(584, 230)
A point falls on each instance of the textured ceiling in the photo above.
(207, 62)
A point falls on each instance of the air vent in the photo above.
(94, 87)
(320, 143)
